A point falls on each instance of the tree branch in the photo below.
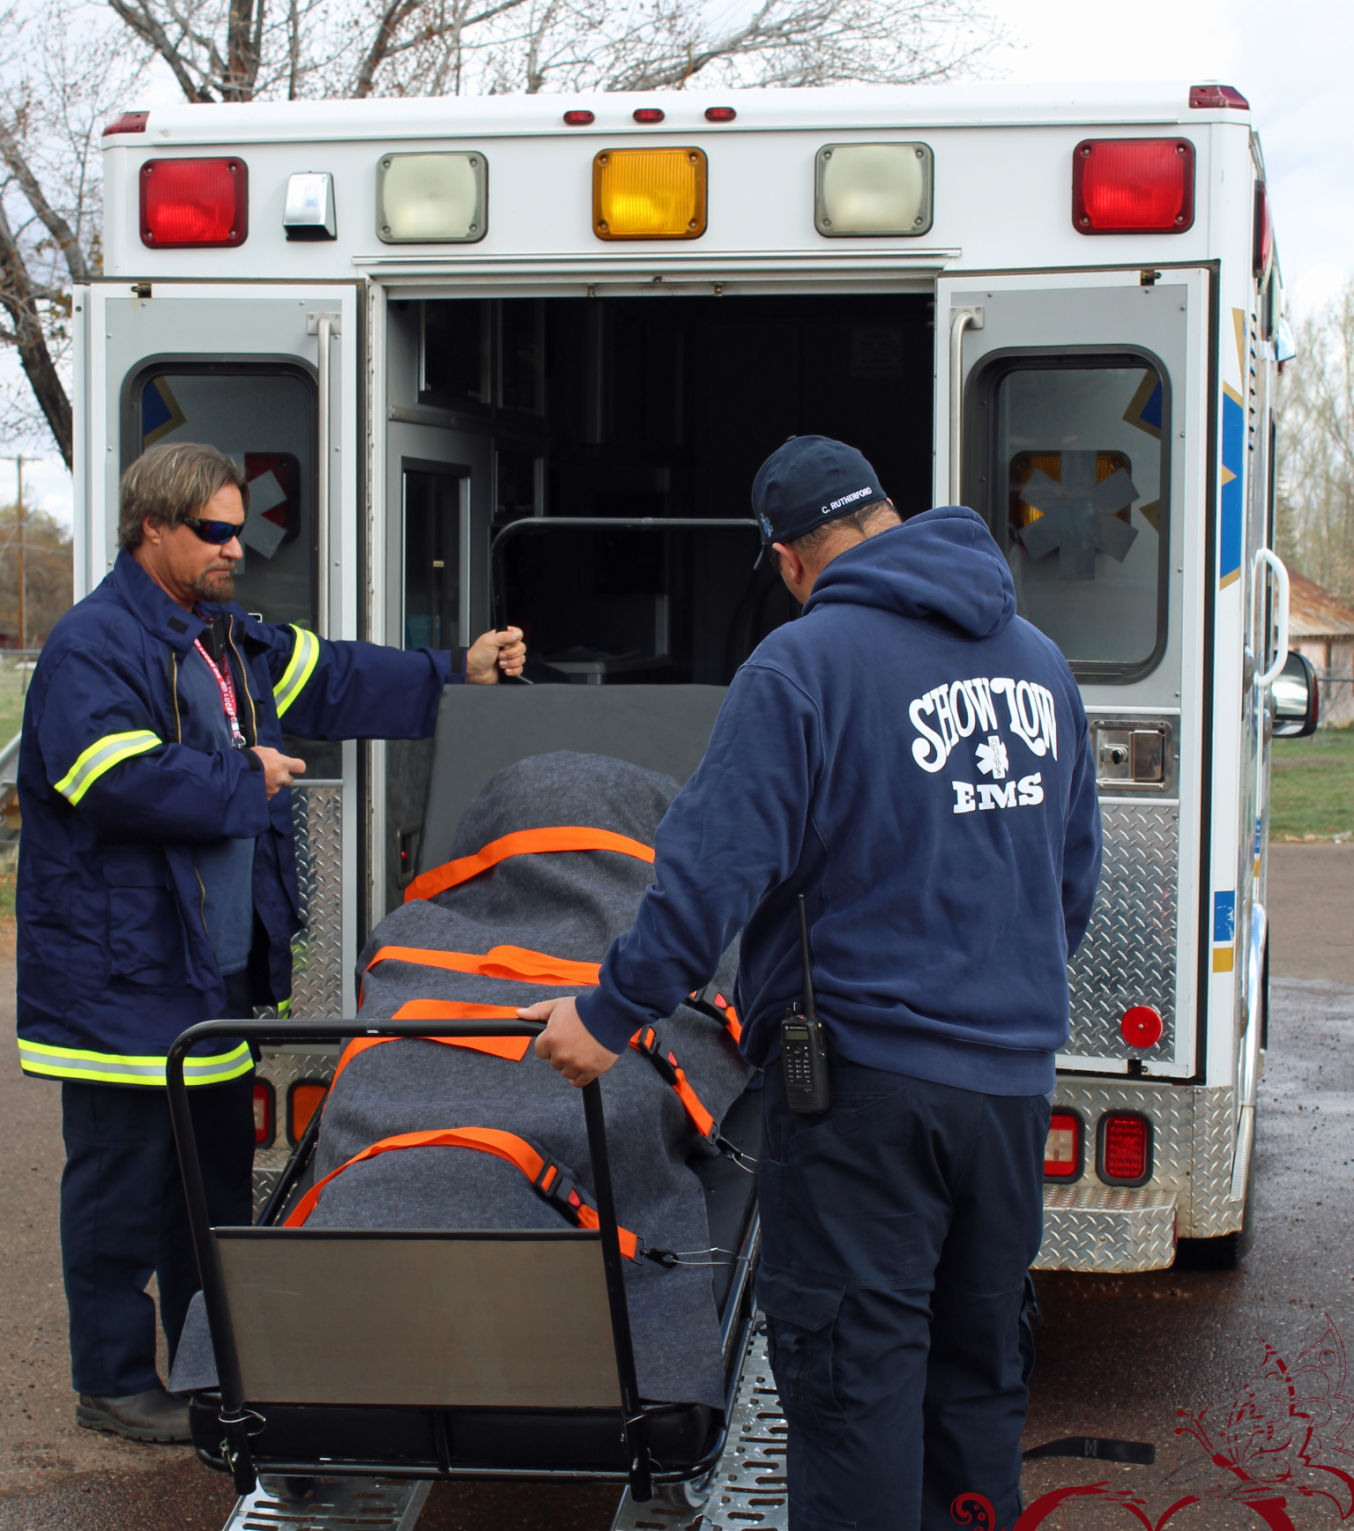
(149, 30)
(34, 356)
(55, 224)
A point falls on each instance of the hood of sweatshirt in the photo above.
(926, 568)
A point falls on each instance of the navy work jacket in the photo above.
(114, 959)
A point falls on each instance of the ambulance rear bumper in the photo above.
(1094, 1227)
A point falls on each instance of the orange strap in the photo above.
(645, 1042)
(512, 1048)
(523, 842)
(554, 1183)
(518, 962)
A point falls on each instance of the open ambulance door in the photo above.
(1071, 413)
(268, 374)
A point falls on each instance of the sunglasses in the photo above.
(218, 533)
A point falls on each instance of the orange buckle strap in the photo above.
(721, 1011)
(524, 842)
(512, 962)
(551, 1180)
(645, 1042)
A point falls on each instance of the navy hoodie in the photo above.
(913, 758)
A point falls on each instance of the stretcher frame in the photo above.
(241, 1418)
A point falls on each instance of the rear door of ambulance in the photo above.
(246, 367)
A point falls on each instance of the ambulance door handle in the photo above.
(324, 327)
(1276, 567)
(961, 319)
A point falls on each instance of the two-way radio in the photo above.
(803, 1050)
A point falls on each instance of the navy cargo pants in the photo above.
(897, 1230)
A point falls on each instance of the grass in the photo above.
(1312, 793)
(12, 683)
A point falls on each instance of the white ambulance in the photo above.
(518, 358)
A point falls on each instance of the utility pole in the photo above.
(23, 623)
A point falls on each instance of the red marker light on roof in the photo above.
(194, 202)
(1142, 1026)
(649, 114)
(579, 119)
(720, 114)
(1216, 97)
(1133, 186)
(128, 122)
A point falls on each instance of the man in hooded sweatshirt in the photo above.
(912, 757)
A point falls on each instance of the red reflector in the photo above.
(1142, 1026)
(578, 119)
(193, 202)
(575, 1200)
(1263, 251)
(720, 114)
(129, 122)
(1206, 97)
(1133, 186)
(1062, 1149)
(1125, 1149)
(263, 1113)
(649, 114)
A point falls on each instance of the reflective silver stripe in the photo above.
(300, 667)
(115, 1068)
(102, 756)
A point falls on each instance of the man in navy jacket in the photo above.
(912, 758)
(157, 887)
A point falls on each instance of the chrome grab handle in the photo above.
(325, 327)
(961, 319)
(1276, 566)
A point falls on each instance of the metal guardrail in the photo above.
(9, 762)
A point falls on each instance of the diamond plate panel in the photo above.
(746, 1490)
(1128, 956)
(317, 951)
(1088, 1223)
(332, 1504)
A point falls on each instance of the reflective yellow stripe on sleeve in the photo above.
(119, 1068)
(102, 756)
(300, 667)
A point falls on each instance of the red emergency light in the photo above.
(1133, 186)
(128, 122)
(264, 1112)
(1205, 98)
(201, 202)
(1062, 1148)
(1125, 1148)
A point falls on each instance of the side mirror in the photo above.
(1296, 700)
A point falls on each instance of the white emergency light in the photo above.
(432, 198)
(308, 212)
(873, 189)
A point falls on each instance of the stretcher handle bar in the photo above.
(209, 1266)
(961, 319)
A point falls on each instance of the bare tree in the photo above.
(1315, 456)
(242, 50)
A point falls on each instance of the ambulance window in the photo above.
(454, 354)
(264, 417)
(432, 558)
(1080, 508)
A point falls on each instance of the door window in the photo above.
(264, 418)
(432, 559)
(1078, 460)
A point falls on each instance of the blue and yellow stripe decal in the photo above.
(1224, 932)
(1231, 504)
(305, 655)
(101, 757)
(122, 1068)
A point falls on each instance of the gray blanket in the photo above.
(569, 905)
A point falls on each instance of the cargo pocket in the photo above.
(801, 1324)
(145, 934)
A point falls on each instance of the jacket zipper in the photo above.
(178, 737)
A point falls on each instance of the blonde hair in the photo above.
(170, 483)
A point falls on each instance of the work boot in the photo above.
(152, 1416)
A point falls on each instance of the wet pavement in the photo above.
(1251, 1360)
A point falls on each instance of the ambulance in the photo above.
(518, 358)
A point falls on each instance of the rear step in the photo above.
(334, 1504)
(746, 1489)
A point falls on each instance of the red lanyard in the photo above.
(227, 687)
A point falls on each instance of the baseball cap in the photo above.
(807, 482)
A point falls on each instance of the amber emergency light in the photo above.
(648, 194)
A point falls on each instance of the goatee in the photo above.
(215, 585)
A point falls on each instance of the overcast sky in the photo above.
(1291, 62)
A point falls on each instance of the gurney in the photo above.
(356, 1365)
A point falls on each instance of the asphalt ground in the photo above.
(1251, 1359)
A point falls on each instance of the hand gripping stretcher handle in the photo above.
(234, 1414)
